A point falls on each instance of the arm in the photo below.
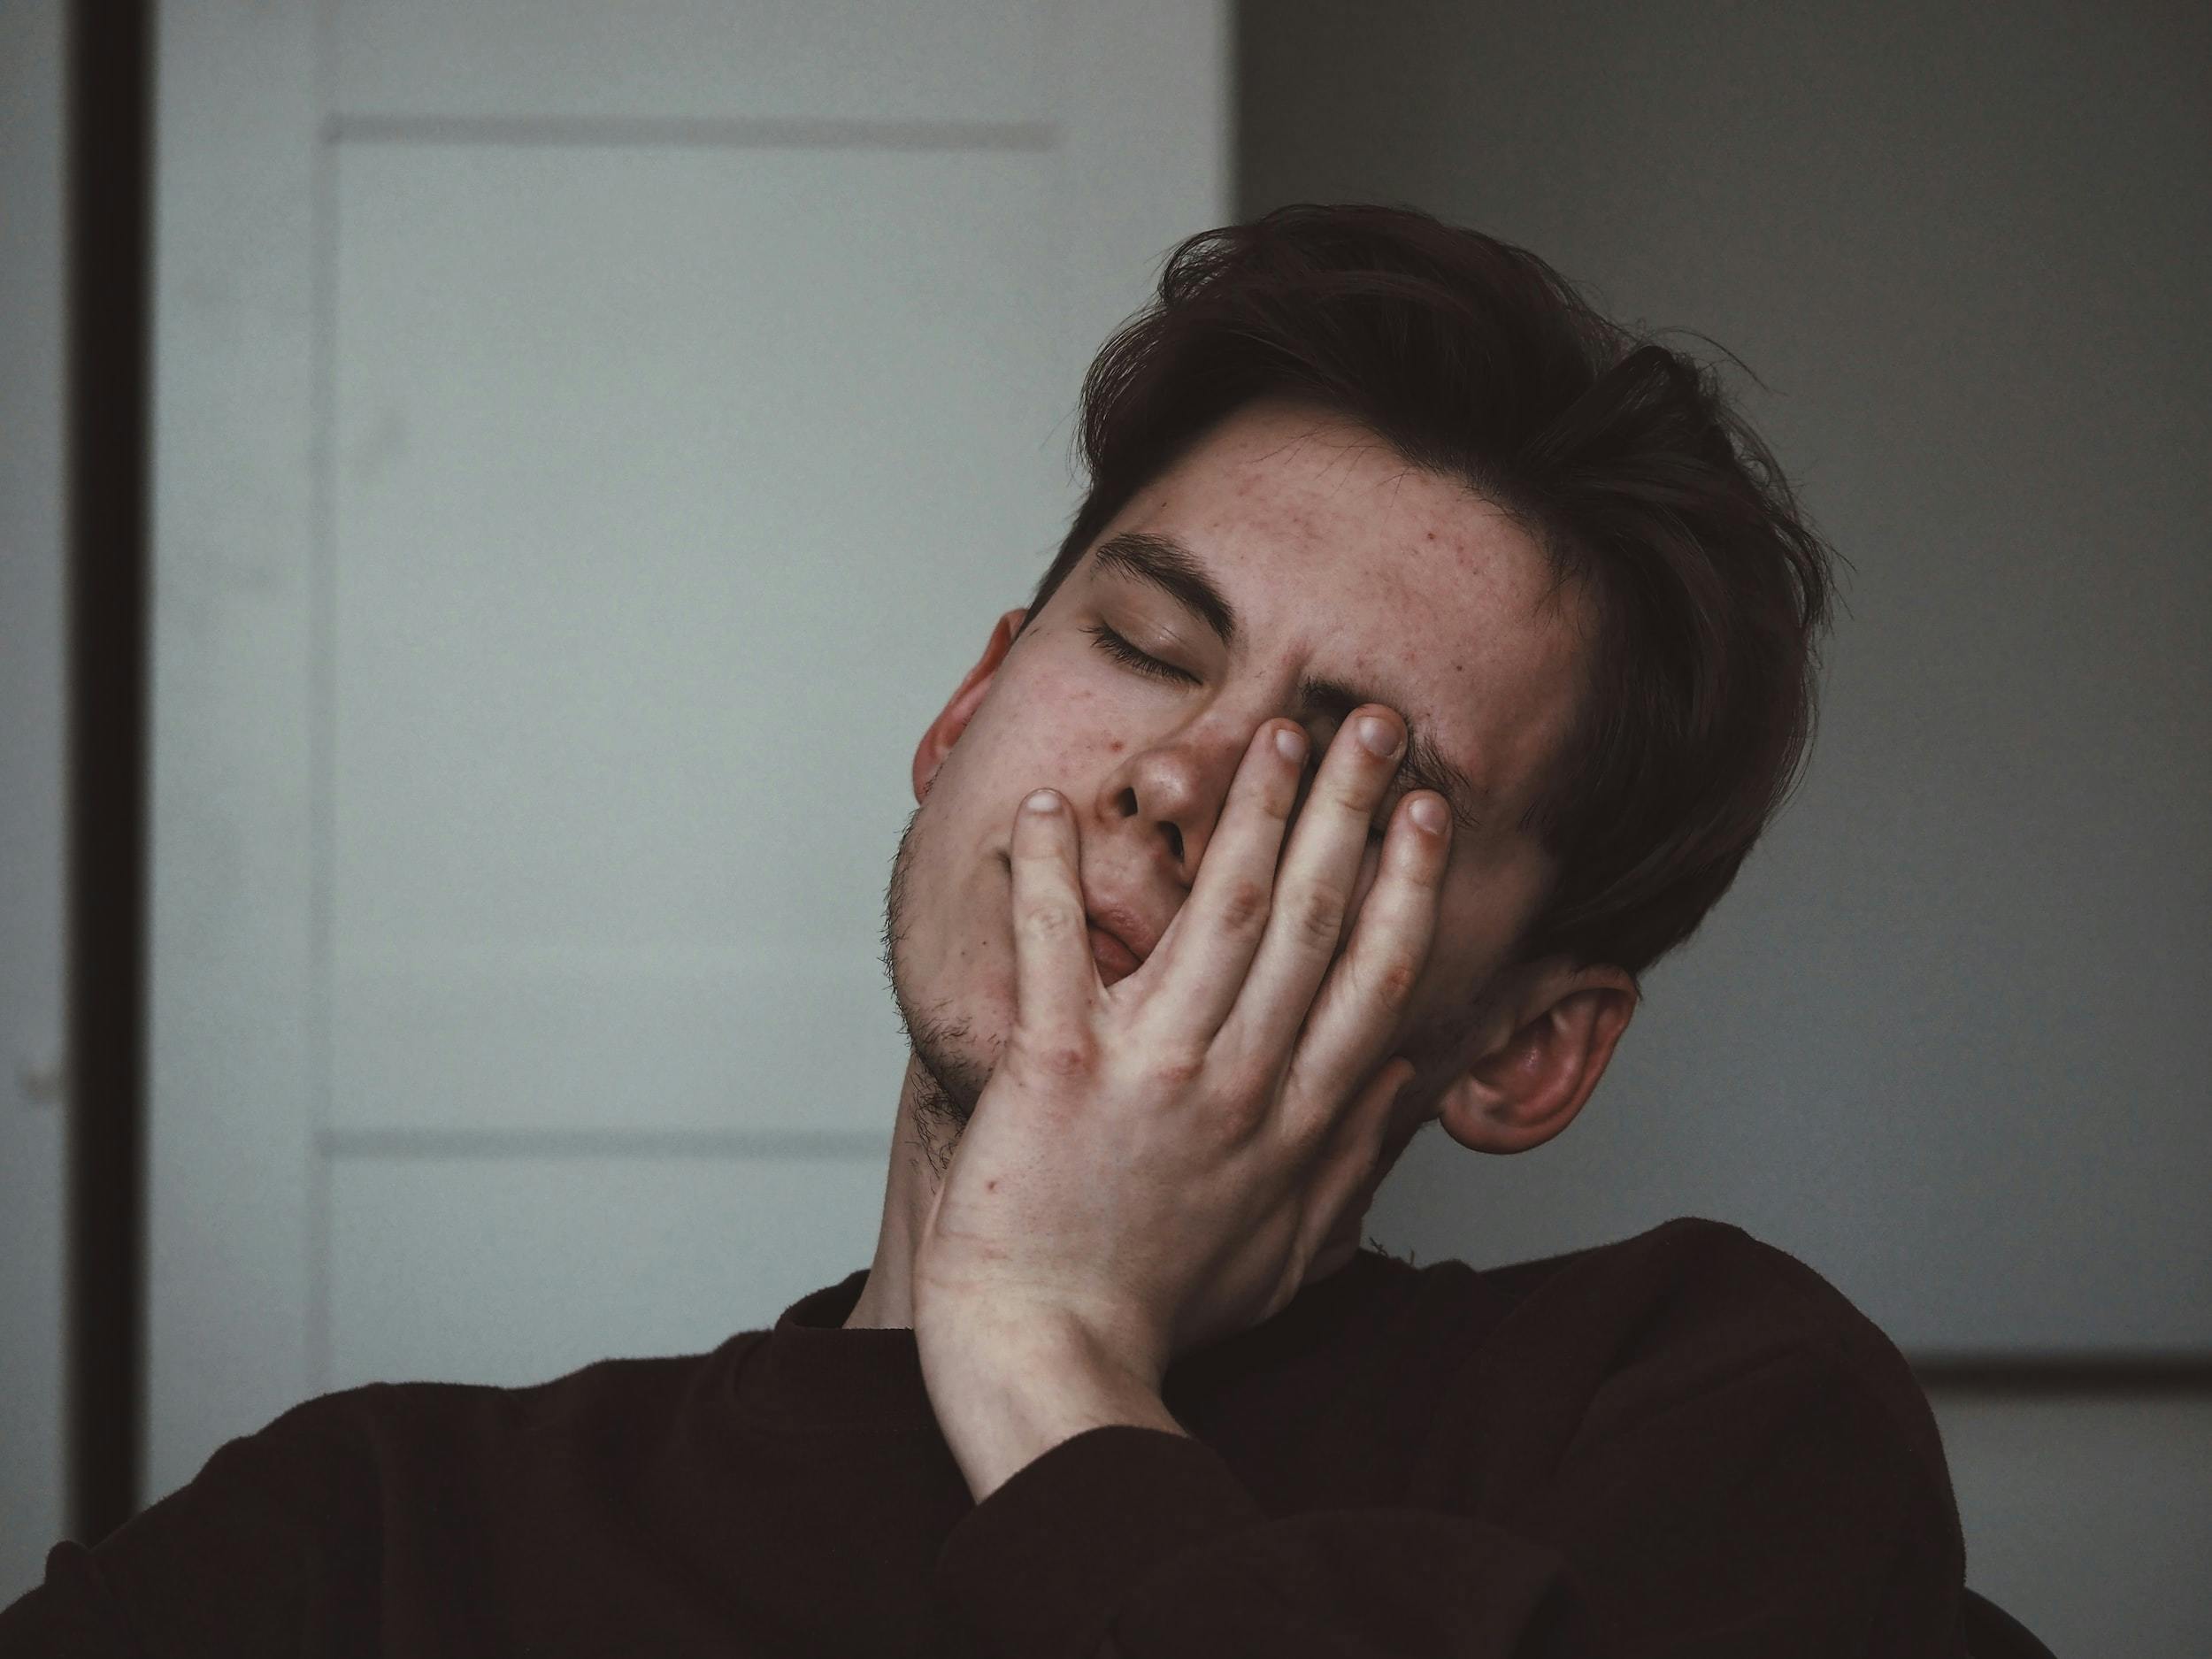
(1773, 1511)
(247, 1559)
(71, 1614)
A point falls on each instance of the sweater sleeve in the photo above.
(246, 1559)
(1777, 1511)
(71, 1616)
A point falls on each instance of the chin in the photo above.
(946, 1074)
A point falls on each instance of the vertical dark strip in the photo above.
(109, 284)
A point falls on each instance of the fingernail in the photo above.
(1378, 735)
(1290, 743)
(1428, 812)
(1043, 801)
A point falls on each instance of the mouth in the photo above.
(1110, 930)
(1120, 942)
(1115, 959)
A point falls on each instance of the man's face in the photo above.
(1336, 562)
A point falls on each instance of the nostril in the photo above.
(1174, 841)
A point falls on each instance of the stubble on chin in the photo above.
(944, 1080)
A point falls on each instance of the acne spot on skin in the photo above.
(1114, 746)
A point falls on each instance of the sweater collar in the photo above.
(809, 1370)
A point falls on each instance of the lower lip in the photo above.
(1116, 960)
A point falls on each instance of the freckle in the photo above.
(1114, 747)
(991, 1185)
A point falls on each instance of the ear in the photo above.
(952, 719)
(1538, 1057)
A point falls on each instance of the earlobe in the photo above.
(1552, 1048)
(953, 718)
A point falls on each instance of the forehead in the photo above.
(1340, 559)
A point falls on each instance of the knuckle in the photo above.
(1393, 982)
(1053, 922)
(1244, 903)
(1060, 1057)
(1176, 1066)
(1252, 1077)
(1317, 917)
(1240, 1116)
(1355, 797)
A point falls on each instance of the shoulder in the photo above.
(1714, 1281)
(302, 1506)
(340, 1455)
(609, 1401)
(1693, 1273)
(1693, 1303)
(1697, 1395)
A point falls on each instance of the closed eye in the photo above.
(1143, 663)
(1129, 657)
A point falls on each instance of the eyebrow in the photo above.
(1163, 562)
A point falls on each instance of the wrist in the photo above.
(1006, 1392)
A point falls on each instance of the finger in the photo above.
(1210, 944)
(1314, 883)
(1054, 977)
(1351, 1170)
(1363, 1001)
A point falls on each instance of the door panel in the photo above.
(665, 482)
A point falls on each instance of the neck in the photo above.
(888, 1298)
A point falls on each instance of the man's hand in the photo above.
(1156, 1164)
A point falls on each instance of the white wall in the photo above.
(1946, 1039)
(2088, 1517)
(32, 338)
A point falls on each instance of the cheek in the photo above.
(1053, 711)
(1052, 731)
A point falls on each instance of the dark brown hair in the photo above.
(1703, 585)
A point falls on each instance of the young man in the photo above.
(1423, 662)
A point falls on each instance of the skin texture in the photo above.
(1094, 1170)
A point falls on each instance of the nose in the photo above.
(1174, 790)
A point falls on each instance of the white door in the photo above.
(590, 442)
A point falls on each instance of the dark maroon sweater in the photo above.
(1684, 1443)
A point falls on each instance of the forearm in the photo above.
(1003, 1398)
